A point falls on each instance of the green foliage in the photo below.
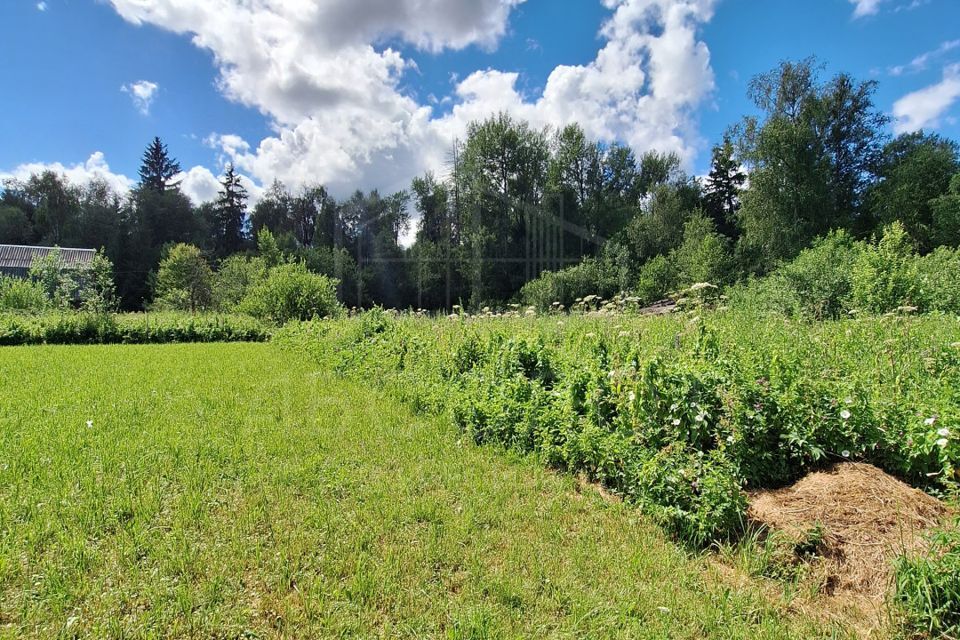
(696, 497)
(96, 287)
(143, 328)
(819, 281)
(291, 292)
(184, 280)
(927, 587)
(657, 279)
(816, 285)
(884, 276)
(946, 215)
(915, 170)
(268, 248)
(234, 279)
(18, 294)
(590, 277)
(937, 281)
(704, 255)
(58, 282)
(677, 416)
(15, 227)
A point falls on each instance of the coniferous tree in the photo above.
(157, 167)
(724, 184)
(230, 214)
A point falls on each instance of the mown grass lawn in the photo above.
(232, 491)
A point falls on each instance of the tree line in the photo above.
(530, 213)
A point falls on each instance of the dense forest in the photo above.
(542, 216)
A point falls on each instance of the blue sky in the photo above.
(366, 93)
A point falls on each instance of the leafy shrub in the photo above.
(235, 277)
(657, 278)
(695, 496)
(816, 285)
(590, 277)
(291, 292)
(142, 328)
(184, 280)
(883, 276)
(820, 278)
(928, 587)
(17, 294)
(704, 255)
(937, 281)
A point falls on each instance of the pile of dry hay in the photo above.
(866, 516)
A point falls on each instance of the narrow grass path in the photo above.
(227, 491)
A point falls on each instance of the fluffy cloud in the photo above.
(925, 108)
(95, 167)
(199, 183)
(142, 93)
(316, 69)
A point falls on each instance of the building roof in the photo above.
(13, 256)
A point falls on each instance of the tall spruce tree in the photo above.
(723, 187)
(230, 214)
(157, 167)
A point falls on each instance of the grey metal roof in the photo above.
(13, 256)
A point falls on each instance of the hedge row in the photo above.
(144, 328)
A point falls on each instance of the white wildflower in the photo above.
(930, 421)
(632, 396)
(700, 417)
(676, 422)
(845, 453)
(943, 433)
(89, 424)
(942, 443)
(845, 414)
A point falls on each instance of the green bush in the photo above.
(292, 292)
(590, 277)
(816, 285)
(236, 276)
(883, 275)
(820, 278)
(184, 280)
(657, 279)
(140, 328)
(937, 284)
(17, 294)
(696, 497)
(928, 587)
(704, 255)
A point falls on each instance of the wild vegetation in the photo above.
(680, 414)
(238, 491)
(321, 489)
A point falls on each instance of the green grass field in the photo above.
(236, 491)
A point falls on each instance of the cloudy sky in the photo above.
(369, 93)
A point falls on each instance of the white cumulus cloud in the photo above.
(142, 93)
(319, 71)
(198, 183)
(82, 173)
(926, 107)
